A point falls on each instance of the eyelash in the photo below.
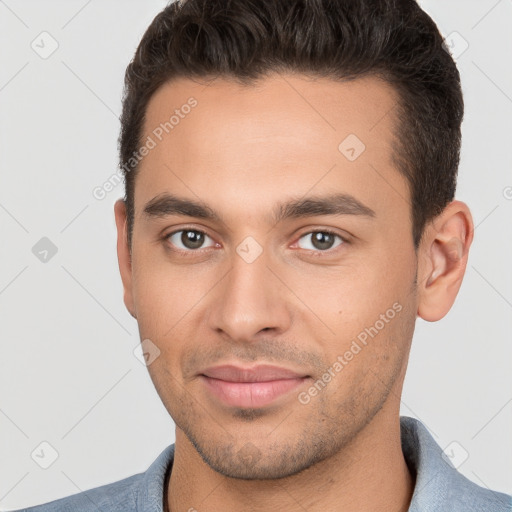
(192, 252)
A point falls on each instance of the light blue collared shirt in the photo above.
(439, 486)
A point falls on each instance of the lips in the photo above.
(250, 387)
(261, 373)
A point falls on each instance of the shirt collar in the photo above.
(150, 497)
(438, 485)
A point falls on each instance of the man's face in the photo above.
(329, 296)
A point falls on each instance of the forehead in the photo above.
(286, 134)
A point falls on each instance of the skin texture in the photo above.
(242, 150)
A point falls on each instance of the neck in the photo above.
(370, 473)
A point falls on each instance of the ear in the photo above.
(443, 256)
(123, 255)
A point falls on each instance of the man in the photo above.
(290, 170)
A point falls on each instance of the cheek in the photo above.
(355, 299)
(165, 293)
(366, 310)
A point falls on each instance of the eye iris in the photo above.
(323, 240)
(192, 239)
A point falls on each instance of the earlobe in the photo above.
(123, 255)
(444, 253)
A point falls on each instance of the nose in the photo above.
(250, 300)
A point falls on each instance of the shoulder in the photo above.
(468, 496)
(439, 486)
(139, 492)
(120, 495)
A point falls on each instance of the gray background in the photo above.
(68, 373)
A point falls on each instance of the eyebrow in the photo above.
(335, 204)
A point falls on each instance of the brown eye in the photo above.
(321, 240)
(188, 239)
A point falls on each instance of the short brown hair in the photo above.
(245, 40)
